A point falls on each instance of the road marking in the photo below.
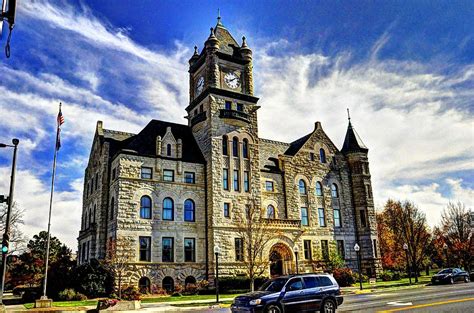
(399, 303)
(427, 305)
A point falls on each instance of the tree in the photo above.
(390, 257)
(458, 234)
(408, 223)
(17, 239)
(120, 252)
(255, 233)
(93, 279)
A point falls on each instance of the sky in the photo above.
(405, 69)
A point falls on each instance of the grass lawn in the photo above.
(66, 303)
(422, 280)
(186, 298)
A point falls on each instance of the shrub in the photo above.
(396, 276)
(80, 297)
(93, 280)
(69, 294)
(155, 290)
(344, 276)
(239, 282)
(131, 293)
(386, 276)
(355, 276)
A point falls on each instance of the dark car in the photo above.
(450, 276)
(296, 293)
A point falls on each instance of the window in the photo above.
(240, 107)
(271, 211)
(307, 249)
(167, 249)
(322, 155)
(235, 147)
(322, 217)
(225, 148)
(302, 187)
(168, 284)
(168, 149)
(334, 191)
(236, 180)
(304, 217)
(324, 281)
(145, 249)
(146, 173)
(201, 108)
(337, 217)
(225, 179)
(114, 173)
(319, 189)
(168, 209)
(93, 213)
(189, 178)
(189, 250)
(189, 210)
(269, 185)
(226, 209)
(246, 181)
(228, 105)
(145, 207)
(96, 181)
(144, 285)
(294, 284)
(311, 156)
(239, 249)
(168, 175)
(310, 282)
(325, 249)
(363, 218)
(190, 280)
(368, 192)
(245, 148)
(112, 208)
(375, 248)
(340, 249)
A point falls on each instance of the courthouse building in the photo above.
(172, 190)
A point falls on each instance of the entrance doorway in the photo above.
(281, 259)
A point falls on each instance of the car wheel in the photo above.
(466, 279)
(329, 306)
(451, 281)
(273, 309)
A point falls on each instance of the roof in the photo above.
(296, 145)
(144, 143)
(268, 153)
(225, 38)
(352, 142)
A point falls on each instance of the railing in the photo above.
(198, 118)
(283, 222)
(238, 115)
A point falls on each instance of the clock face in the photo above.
(232, 80)
(200, 85)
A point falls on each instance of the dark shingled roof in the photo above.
(352, 142)
(296, 145)
(144, 143)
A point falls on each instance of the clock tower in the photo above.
(222, 114)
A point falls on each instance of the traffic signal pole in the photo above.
(6, 235)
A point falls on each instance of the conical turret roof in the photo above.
(352, 142)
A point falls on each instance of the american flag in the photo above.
(60, 121)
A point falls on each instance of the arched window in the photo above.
(144, 285)
(168, 209)
(112, 208)
(334, 192)
(322, 155)
(190, 280)
(145, 207)
(225, 143)
(271, 211)
(93, 213)
(168, 149)
(245, 148)
(302, 187)
(168, 284)
(90, 216)
(85, 220)
(235, 147)
(319, 189)
(189, 210)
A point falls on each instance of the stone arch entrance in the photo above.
(281, 259)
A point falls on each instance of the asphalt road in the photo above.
(442, 298)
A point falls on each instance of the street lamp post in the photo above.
(405, 247)
(357, 250)
(6, 235)
(296, 249)
(217, 251)
(445, 248)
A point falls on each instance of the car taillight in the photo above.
(338, 292)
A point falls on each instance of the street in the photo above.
(441, 298)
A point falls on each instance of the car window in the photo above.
(310, 282)
(294, 284)
(446, 271)
(274, 285)
(324, 281)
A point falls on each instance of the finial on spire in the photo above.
(196, 50)
(244, 43)
(219, 17)
(348, 115)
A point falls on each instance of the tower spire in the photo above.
(219, 17)
(348, 116)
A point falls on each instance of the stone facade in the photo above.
(144, 188)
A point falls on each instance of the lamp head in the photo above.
(15, 141)
(356, 247)
(296, 249)
(405, 246)
(217, 249)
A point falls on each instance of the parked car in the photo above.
(450, 276)
(295, 293)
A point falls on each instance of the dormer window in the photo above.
(225, 142)
(235, 147)
(322, 155)
(168, 149)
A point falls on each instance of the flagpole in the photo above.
(44, 297)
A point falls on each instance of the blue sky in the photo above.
(404, 68)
